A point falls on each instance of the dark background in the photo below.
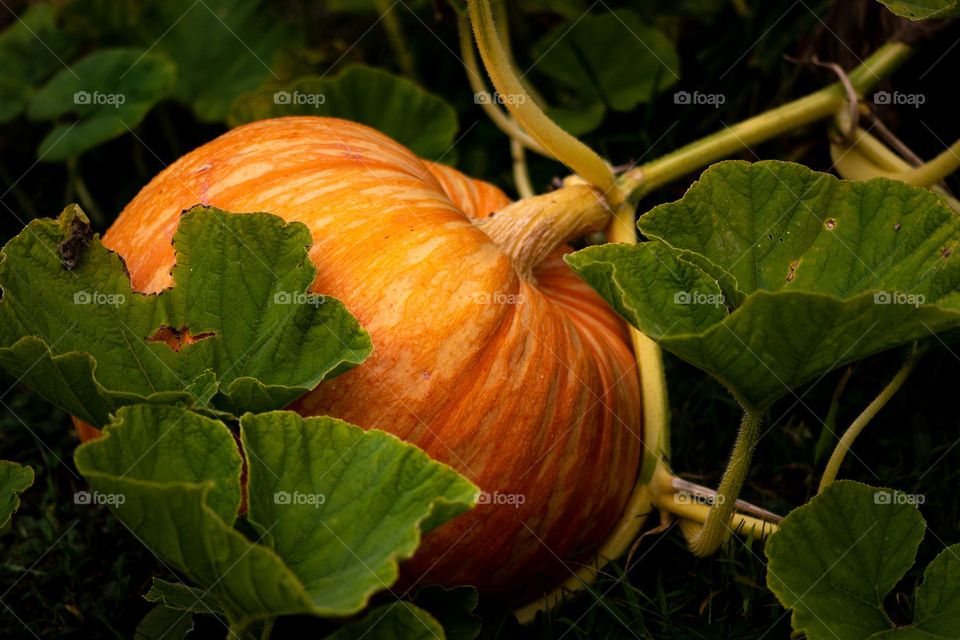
(73, 571)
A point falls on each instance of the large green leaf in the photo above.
(365, 498)
(396, 621)
(73, 330)
(579, 54)
(109, 92)
(221, 48)
(343, 506)
(769, 275)
(31, 48)
(417, 119)
(834, 560)
(14, 480)
(924, 9)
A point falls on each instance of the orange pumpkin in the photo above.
(523, 382)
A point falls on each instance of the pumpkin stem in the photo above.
(531, 229)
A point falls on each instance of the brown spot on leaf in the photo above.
(831, 224)
(946, 252)
(176, 339)
(792, 270)
(71, 248)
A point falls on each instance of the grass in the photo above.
(72, 570)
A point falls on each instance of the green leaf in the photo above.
(417, 119)
(109, 92)
(164, 624)
(392, 622)
(769, 275)
(578, 120)
(31, 48)
(73, 330)
(343, 506)
(834, 560)
(937, 601)
(182, 597)
(221, 48)
(453, 608)
(14, 480)
(923, 9)
(179, 477)
(613, 58)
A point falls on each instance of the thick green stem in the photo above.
(866, 158)
(846, 441)
(816, 106)
(577, 156)
(480, 92)
(935, 170)
(708, 539)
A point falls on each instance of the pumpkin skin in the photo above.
(527, 388)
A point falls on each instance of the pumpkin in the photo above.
(519, 377)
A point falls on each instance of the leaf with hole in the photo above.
(238, 331)
(770, 275)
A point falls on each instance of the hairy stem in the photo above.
(716, 525)
(577, 156)
(503, 122)
(816, 106)
(846, 441)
